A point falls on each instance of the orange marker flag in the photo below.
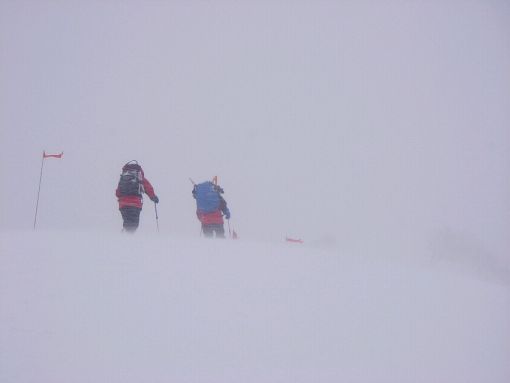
(53, 155)
(44, 156)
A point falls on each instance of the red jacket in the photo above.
(134, 200)
(214, 218)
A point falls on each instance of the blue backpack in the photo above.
(208, 196)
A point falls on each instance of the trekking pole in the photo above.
(157, 218)
(229, 233)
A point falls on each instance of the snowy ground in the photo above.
(89, 307)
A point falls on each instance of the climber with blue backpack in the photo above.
(132, 185)
(211, 208)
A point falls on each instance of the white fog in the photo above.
(375, 132)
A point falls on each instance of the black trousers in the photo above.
(208, 230)
(131, 217)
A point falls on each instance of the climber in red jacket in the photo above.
(132, 185)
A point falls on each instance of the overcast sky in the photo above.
(341, 119)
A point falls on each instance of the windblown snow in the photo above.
(92, 307)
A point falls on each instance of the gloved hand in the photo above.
(227, 214)
(155, 199)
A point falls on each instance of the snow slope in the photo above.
(90, 307)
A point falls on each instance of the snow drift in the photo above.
(83, 307)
